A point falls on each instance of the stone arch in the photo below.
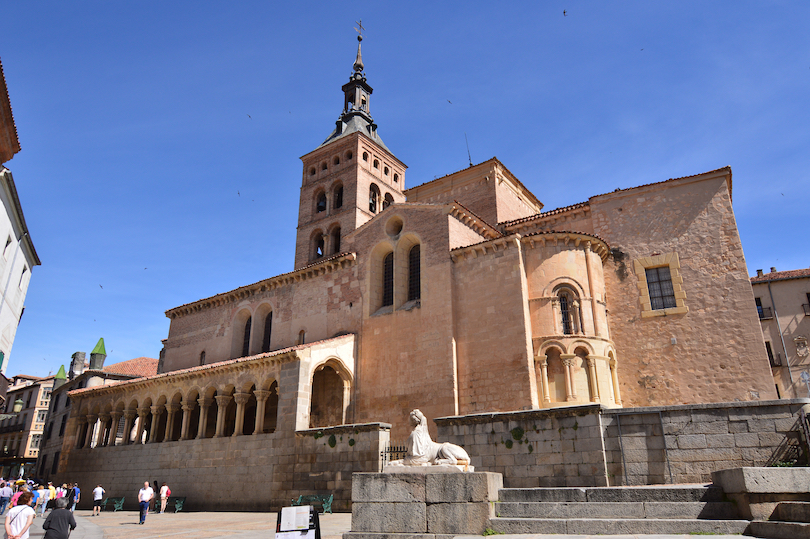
(373, 198)
(334, 233)
(582, 348)
(337, 194)
(375, 275)
(261, 337)
(330, 391)
(209, 426)
(403, 271)
(556, 374)
(249, 410)
(241, 329)
(270, 406)
(317, 244)
(319, 201)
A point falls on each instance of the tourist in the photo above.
(51, 498)
(16, 497)
(43, 495)
(20, 518)
(98, 494)
(165, 492)
(60, 522)
(73, 494)
(5, 496)
(145, 495)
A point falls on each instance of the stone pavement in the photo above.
(209, 525)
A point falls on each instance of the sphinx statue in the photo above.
(422, 451)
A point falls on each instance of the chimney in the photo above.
(759, 273)
(98, 355)
(77, 364)
(773, 269)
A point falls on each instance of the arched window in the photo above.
(373, 198)
(318, 245)
(569, 311)
(268, 327)
(246, 339)
(336, 240)
(414, 274)
(337, 197)
(302, 336)
(336, 160)
(320, 205)
(388, 280)
(376, 164)
(365, 156)
(202, 357)
(388, 200)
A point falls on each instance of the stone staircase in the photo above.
(790, 520)
(668, 509)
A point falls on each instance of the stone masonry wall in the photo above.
(584, 446)
(256, 473)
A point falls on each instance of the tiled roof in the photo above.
(782, 276)
(564, 209)
(721, 169)
(9, 142)
(211, 366)
(140, 366)
(494, 230)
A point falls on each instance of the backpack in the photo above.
(168, 492)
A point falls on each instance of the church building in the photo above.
(458, 296)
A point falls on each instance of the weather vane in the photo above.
(359, 28)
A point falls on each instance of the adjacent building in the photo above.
(782, 299)
(80, 375)
(18, 256)
(23, 423)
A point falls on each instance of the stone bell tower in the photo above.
(348, 179)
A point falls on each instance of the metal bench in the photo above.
(177, 501)
(309, 499)
(118, 503)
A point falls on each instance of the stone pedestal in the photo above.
(758, 491)
(399, 505)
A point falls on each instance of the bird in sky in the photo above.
(101, 287)
(449, 101)
(565, 13)
(238, 193)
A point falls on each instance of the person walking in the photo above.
(50, 499)
(98, 494)
(145, 495)
(60, 522)
(42, 500)
(77, 496)
(20, 518)
(5, 496)
(165, 492)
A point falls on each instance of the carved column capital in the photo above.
(205, 402)
(143, 412)
(157, 409)
(241, 398)
(568, 360)
(223, 400)
(129, 414)
(591, 362)
(187, 407)
(172, 407)
(92, 418)
(262, 394)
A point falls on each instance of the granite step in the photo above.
(655, 493)
(792, 512)
(779, 530)
(659, 510)
(603, 526)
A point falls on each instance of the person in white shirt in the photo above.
(98, 494)
(20, 517)
(145, 495)
(164, 497)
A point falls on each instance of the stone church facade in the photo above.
(459, 296)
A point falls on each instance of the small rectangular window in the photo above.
(23, 276)
(55, 464)
(62, 426)
(659, 283)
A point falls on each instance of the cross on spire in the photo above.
(359, 29)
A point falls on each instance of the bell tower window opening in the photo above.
(336, 240)
(319, 246)
(268, 329)
(365, 156)
(376, 164)
(320, 205)
(414, 273)
(388, 280)
(337, 198)
(396, 178)
(659, 283)
(336, 160)
(373, 198)
(324, 166)
(387, 201)
(246, 338)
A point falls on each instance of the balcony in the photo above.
(776, 360)
(806, 308)
(765, 313)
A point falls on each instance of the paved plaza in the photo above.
(209, 525)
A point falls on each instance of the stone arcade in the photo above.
(460, 296)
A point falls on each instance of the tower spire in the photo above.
(358, 63)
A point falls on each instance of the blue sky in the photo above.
(161, 140)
